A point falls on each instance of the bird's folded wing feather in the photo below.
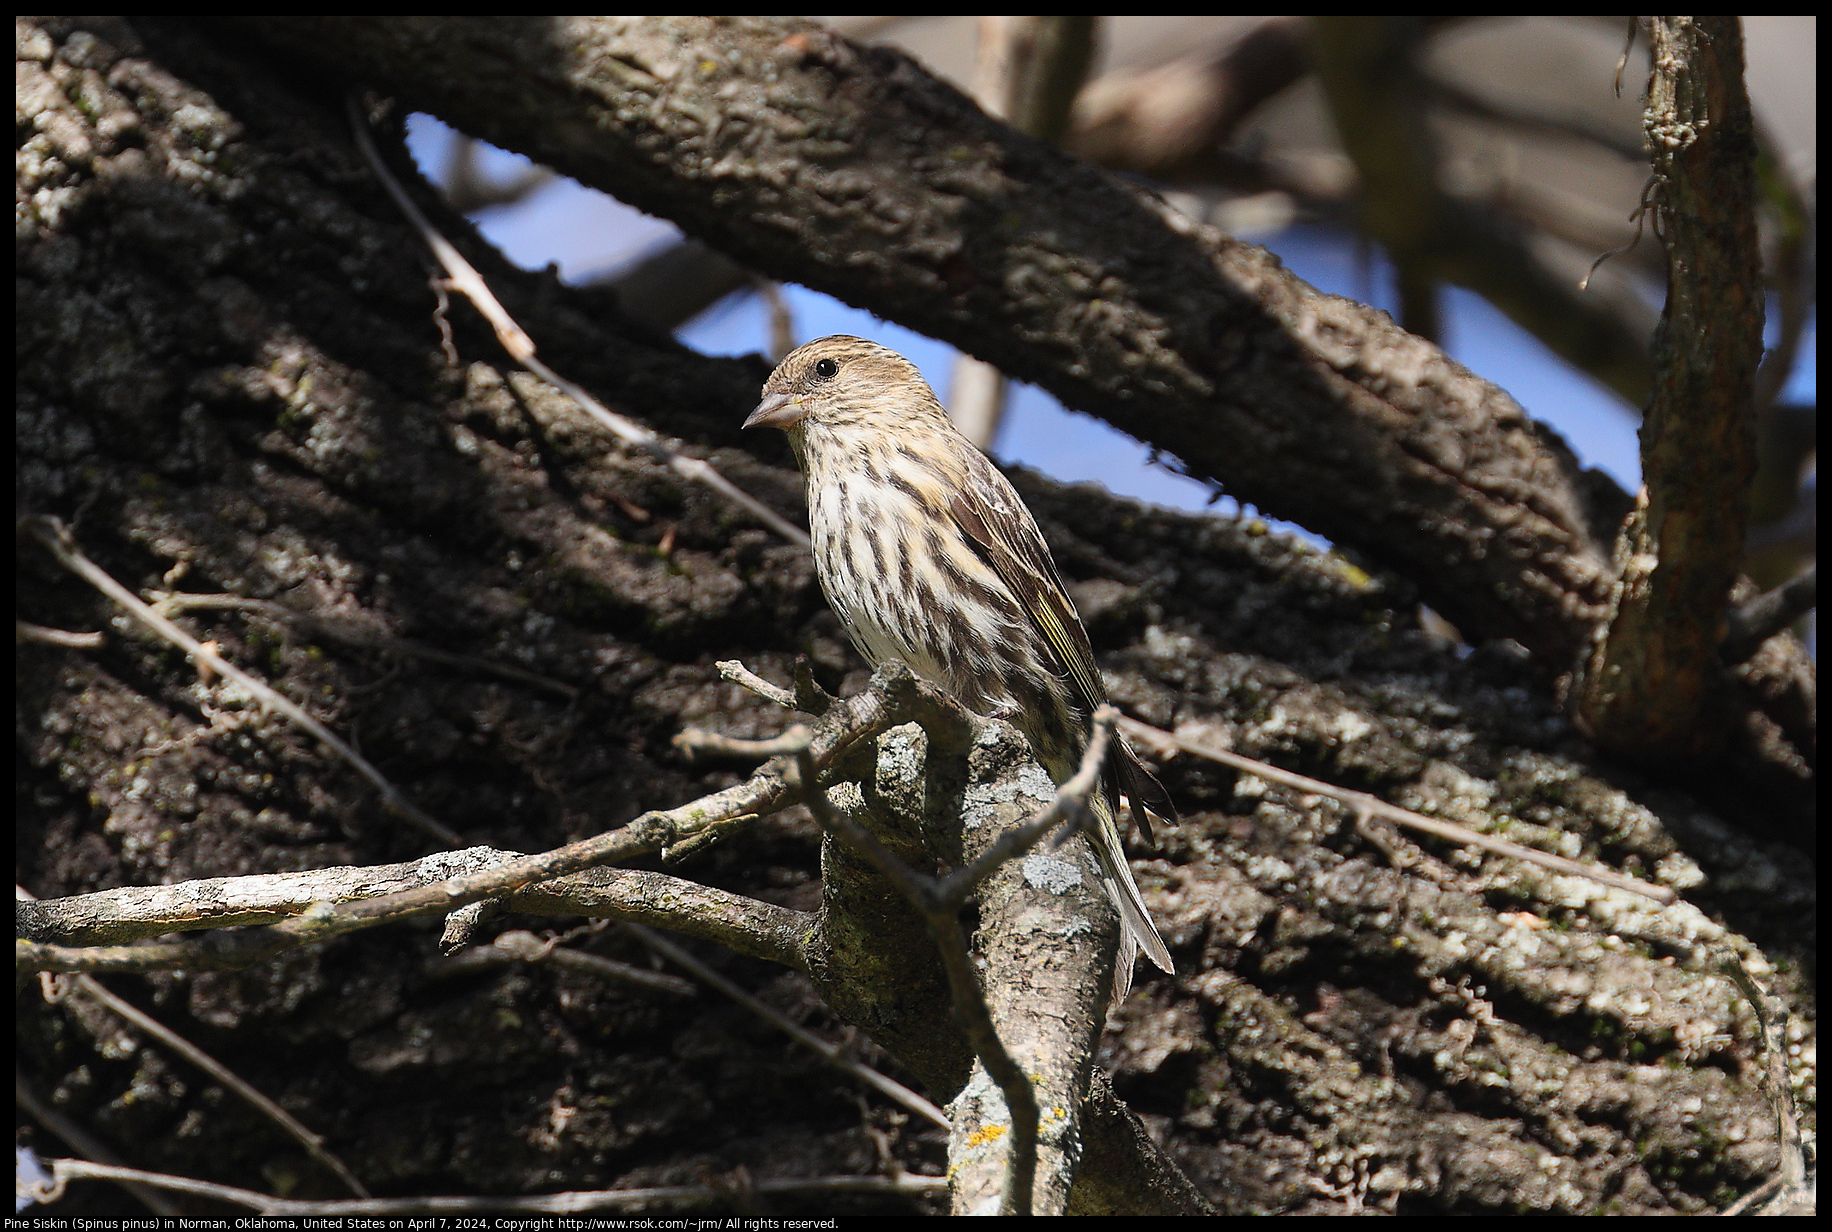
(994, 518)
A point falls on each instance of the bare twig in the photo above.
(737, 673)
(450, 881)
(83, 1142)
(26, 631)
(465, 279)
(313, 1143)
(1766, 615)
(696, 743)
(1771, 1019)
(519, 945)
(56, 536)
(66, 1170)
(808, 697)
(833, 1054)
(1373, 806)
(171, 603)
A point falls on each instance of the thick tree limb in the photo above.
(851, 170)
(300, 436)
(1648, 689)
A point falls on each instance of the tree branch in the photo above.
(1648, 688)
(1761, 618)
(909, 201)
(441, 884)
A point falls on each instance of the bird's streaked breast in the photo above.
(904, 580)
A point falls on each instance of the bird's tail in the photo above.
(1138, 932)
(1124, 773)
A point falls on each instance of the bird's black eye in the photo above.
(826, 369)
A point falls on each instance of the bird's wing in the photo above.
(995, 519)
(993, 516)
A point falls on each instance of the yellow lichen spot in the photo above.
(985, 1134)
(1353, 574)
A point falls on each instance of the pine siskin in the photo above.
(926, 554)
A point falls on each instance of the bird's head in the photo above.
(843, 384)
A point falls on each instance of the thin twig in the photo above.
(520, 945)
(737, 673)
(696, 743)
(171, 603)
(56, 536)
(810, 698)
(82, 1141)
(1761, 618)
(313, 1143)
(1374, 806)
(26, 631)
(833, 1054)
(465, 279)
(66, 1170)
(1771, 1019)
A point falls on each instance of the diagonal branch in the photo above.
(463, 277)
(62, 544)
(1366, 806)
(906, 199)
(440, 885)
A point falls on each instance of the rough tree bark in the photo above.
(851, 170)
(1648, 688)
(231, 380)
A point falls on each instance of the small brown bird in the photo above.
(927, 554)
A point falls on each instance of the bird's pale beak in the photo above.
(777, 411)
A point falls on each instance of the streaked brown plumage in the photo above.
(928, 555)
